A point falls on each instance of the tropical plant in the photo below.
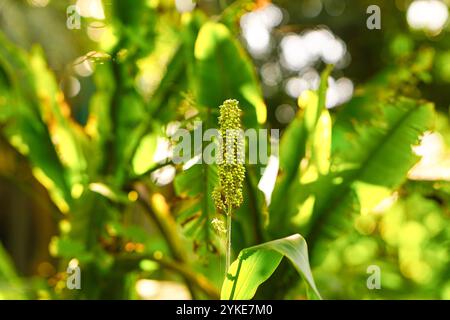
(127, 211)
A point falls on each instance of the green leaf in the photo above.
(65, 134)
(129, 130)
(256, 264)
(143, 157)
(223, 71)
(321, 143)
(138, 113)
(70, 248)
(294, 145)
(11, 286)
(34, 116)
(372, 146)
(195, 186)
(171, 82)
(109, 193)
(99, 125)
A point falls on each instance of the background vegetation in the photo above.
(87, 118)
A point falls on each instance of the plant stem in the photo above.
(228, 244)
(167, 227)
(164, 222)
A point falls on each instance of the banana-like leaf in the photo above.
(256, 264)
(38, 124)
(66, 135)
(372, 146)
(223, 71)
(294, 145)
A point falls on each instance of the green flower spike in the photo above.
(231, 170)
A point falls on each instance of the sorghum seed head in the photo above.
(231, 170)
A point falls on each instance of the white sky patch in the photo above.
(271, 73)
(163, 150)
(258, 38)
(73, 87)
(91, 9)
(299, 51)
(161, 290)
(83, 66)
(163, 176)
(96, 30)
(295, 86)
(435, 162)
(172, 128)
(339, 92)
(294, 52)
(333, 51)
(285, 113)
(430, 15)
(312, 77)
(385, 204)
(267, 182)
(185, 5)
(257, 25)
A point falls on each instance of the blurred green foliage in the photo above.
(91, 164)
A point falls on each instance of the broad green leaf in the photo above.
(65, 134)
(143, 157)
(370, 195)
(223, 71)
(256, 264)
(299, 135)
(32, 112)
(372, 145)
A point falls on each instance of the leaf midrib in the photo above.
(346, 187)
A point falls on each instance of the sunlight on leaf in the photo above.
(256, 264)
